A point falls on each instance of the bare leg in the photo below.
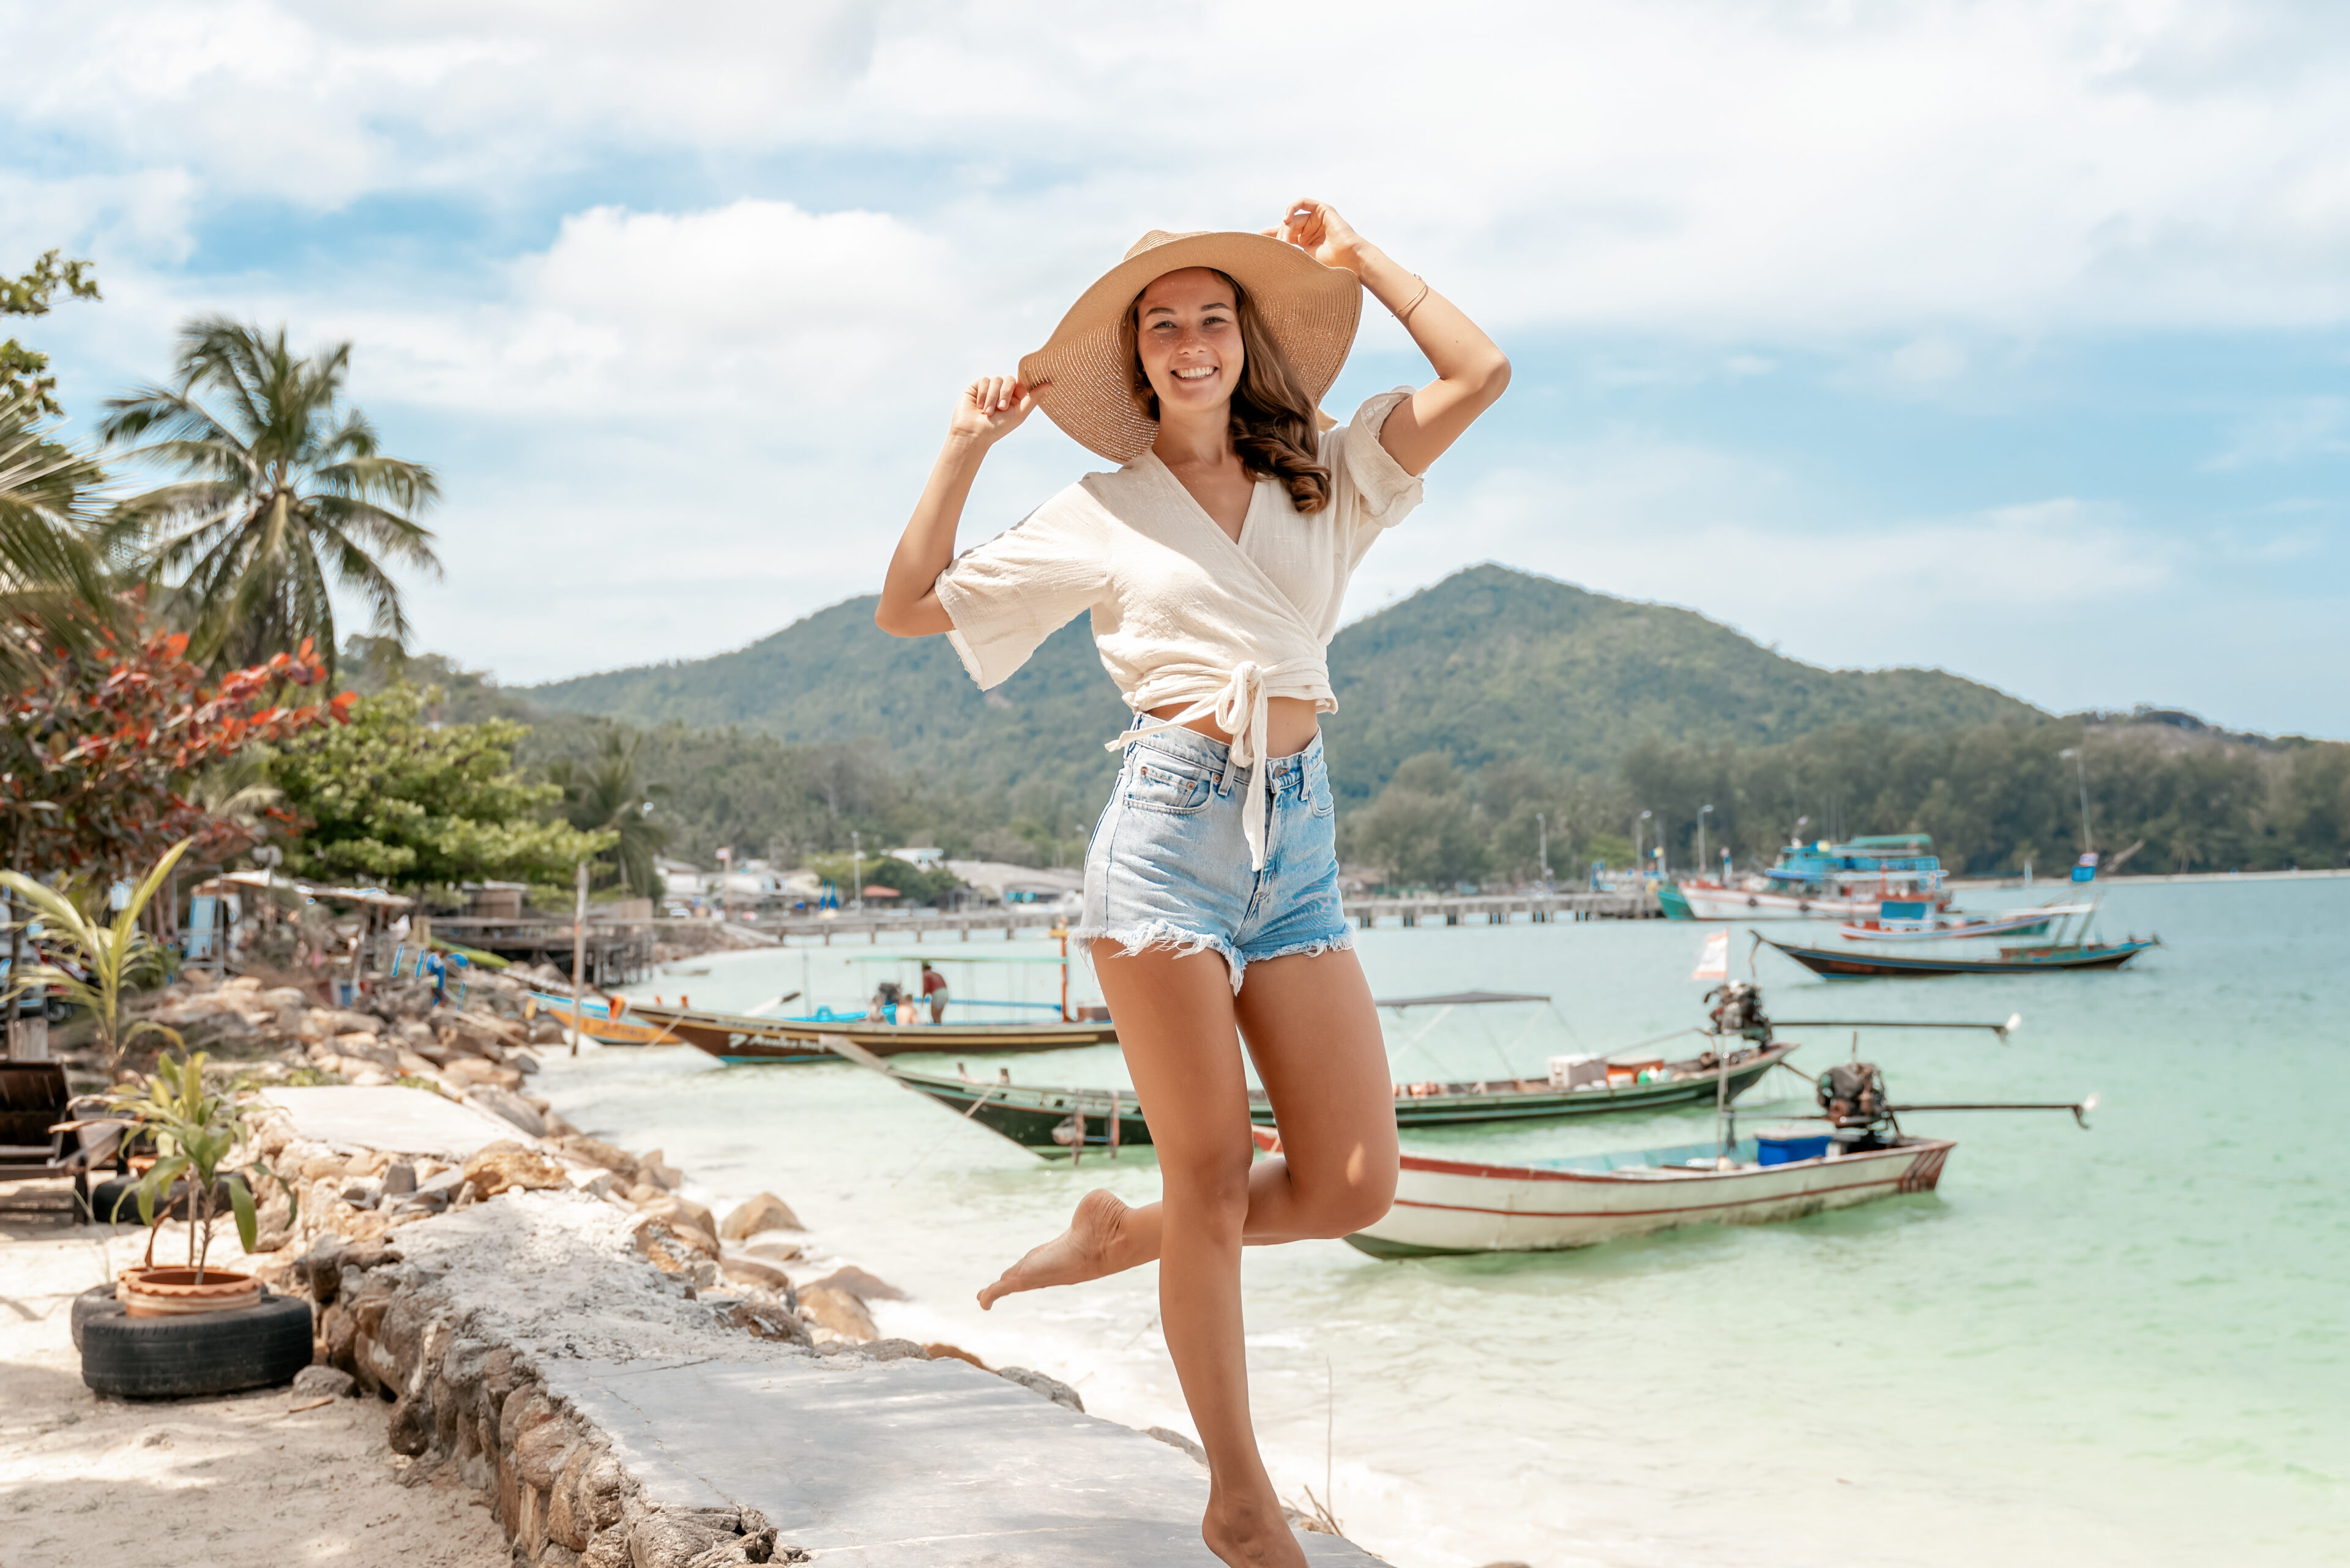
(1315, 1037)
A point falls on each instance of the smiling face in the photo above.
(1188, 336)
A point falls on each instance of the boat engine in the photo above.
(1853, 1096)
(1739, 1010)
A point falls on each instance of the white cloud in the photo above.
(1699, 165)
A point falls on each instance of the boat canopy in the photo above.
(1462, 999)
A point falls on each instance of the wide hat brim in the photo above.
(1081, 376)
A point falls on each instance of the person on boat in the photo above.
(934, 991)
(1213, 561)
(883, 1007)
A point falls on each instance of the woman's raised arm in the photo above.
(989, 409)
(1471, 371)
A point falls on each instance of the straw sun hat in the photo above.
(1082, 372)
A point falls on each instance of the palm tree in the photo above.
(285, 499)
(53, 579)
(605, 795)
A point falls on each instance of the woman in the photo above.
(1213, 561)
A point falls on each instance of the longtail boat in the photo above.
(739, 1037)
(1860, 1153)
(1847, 963)
(603, 1021)
(1056, 1121)
(1914, 922)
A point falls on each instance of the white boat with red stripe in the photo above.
(1452, 1206)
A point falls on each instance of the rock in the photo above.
(471, 1072)
(540, 1453)
(399, 1179)
(1174, 1439)
(522, 1062)
(774, 1252)
(666, 1541)
(754, 1270)
(501, 1167)
(671, 1247)
(594, 1151)
(861, 1285)
(765, 1212)
(838, 1312)
(895, 1350)
(1052, 1389)
(767, 1320)
(506, 1103)
(412, 1066)
(412, 1425)
(942, 1349)
(670, 1206)
(555, 1125)
(322, 1383)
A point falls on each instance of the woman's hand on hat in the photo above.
(990, 408)
(1316, 228)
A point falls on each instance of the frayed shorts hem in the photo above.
(1166, 935)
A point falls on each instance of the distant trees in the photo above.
(389, 798)
(606, 793)
(1996, 797)
(286, 496)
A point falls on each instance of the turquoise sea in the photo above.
(2119, 1345)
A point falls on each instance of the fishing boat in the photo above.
(602, 1020)
(1859, 1154)
(738, 1038)
(1899, 921)
(1847, 963)
(1850, 880)
(1057, 1120)
(744, 1038)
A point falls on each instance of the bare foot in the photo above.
(1081, 1252)
(1250, 1535)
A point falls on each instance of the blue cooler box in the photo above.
(1787, 1145)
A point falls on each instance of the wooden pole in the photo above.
(578, 952)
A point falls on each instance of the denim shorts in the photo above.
(1169, 864)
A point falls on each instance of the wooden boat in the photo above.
(1847, 963)
(737, 1037)
(1819, 881)
(1055, 1121)
(1851, 1153)
(1455, 1206)
(603, 1021)
(1914, 922)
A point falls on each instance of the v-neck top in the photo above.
(1181, 612)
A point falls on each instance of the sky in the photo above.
(2009, 339)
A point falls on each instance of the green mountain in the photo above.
(1488, 664)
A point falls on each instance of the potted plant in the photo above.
(108, 956)
(195, 1133)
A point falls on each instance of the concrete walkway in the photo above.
(903, 1464)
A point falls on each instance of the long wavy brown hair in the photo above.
(1273, 421)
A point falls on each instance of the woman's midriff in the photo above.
(1290, 724)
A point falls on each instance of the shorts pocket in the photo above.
(1317, 790)
(1155, 785)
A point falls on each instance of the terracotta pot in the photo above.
(175, 1292)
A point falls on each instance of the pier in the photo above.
(1008, 923)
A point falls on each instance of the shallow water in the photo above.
(2123, 1344)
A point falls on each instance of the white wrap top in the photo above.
(1181, 614)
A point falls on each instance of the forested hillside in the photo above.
(1489, 664)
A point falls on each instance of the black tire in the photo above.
(93, 1302)
(115, 1200)
(213, 1353)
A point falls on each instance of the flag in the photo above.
(1714, 962)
